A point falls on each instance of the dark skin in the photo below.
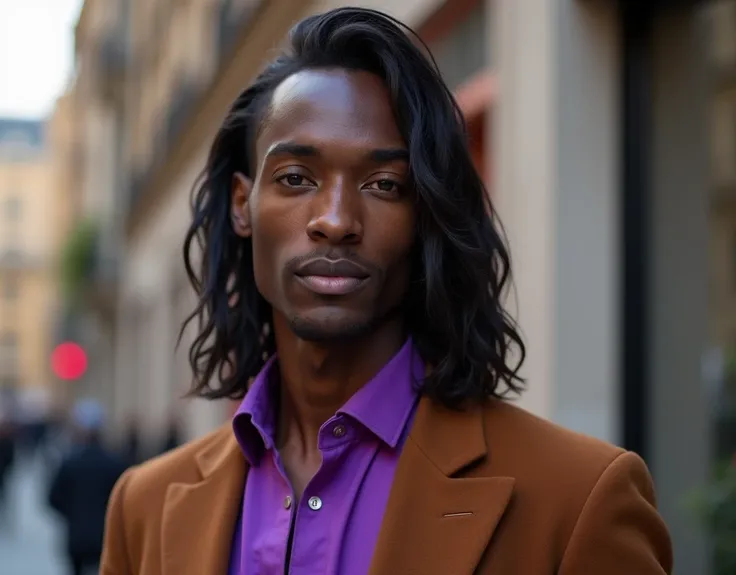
(331, 185)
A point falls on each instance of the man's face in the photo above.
(331, 212)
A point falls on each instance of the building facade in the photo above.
(96, 178)
(29, 232)
(607, 134)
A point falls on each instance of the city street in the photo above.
(29, 544)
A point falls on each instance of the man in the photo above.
(8, 437)
(351, 281)
(81, 487)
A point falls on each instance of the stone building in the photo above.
(30, 228)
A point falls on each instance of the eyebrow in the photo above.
(384, 156)
(292, 149)
(379, 155)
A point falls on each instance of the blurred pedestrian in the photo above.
(8, 450)
(81, 488)
(60, 439)
(132, 442)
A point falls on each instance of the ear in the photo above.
(242, 186)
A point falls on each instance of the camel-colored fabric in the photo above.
(490, 491)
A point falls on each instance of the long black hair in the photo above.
(454, 310)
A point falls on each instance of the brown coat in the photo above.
(492, 491)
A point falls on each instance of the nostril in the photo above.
(333, 236)
(317, 234)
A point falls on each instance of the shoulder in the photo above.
(149, 481)
(587, 494)
(140, 492)
(136, 504)
(524, 444)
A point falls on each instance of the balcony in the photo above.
(89, 269)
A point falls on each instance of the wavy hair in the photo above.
(454, 310)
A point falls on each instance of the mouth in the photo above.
(332, 277)
(330, 285)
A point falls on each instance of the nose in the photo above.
(336, 215)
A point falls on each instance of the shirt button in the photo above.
(338, 430)
(315, 503)
(287, 502)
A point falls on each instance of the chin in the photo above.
(330, 328)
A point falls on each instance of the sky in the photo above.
(36, 54)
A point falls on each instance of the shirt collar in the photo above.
(383, 405)
(254, 422)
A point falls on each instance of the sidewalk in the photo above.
(28, 546)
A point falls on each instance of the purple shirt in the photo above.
(337, 520)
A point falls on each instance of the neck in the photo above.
(317, 379)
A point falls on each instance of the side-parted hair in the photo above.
(454, 308)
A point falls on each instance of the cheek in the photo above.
(273, 231)
(397, 237)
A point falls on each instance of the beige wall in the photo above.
(556, 134)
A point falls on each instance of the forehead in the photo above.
(347, 108)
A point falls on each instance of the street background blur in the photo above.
(605, 130)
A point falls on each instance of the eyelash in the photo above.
(396, 186)
(284, 180)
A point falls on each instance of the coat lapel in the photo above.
(199, 518)
(438, 519)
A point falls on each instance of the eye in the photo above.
(294, 181)
(385, 186)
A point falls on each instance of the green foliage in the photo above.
(77, 259)
(715, 506)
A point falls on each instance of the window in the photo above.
(8, 340)
(12, 208)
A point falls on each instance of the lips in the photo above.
(332, 277)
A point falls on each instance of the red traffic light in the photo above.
(69, 361)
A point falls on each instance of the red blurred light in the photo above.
(69, 361)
